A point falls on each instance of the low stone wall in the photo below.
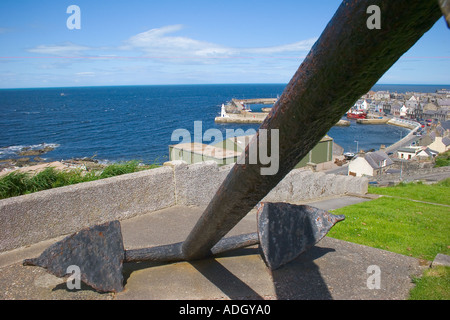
(32, 218)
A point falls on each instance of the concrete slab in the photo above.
(333, 269)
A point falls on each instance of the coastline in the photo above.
(22, 162)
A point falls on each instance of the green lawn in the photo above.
(407, 227)
(433, 285)
(402, 226)
(437, 193)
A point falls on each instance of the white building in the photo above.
(403, 111)
(370, 164)
(440, 144)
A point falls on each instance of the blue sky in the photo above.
(144, 42)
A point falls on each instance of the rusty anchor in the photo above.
(284, 232)
(344, 63)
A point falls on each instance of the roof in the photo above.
(409, 150)
(428, 152)
(443, 102)
(446, 141)
(376, 158)
(206, 150)
(446, 125)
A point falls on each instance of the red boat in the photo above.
(356, 115)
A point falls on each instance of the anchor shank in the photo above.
(345, 63)
(173, 252)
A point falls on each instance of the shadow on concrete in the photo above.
(223, 279)
(301, 279)
(298, 280)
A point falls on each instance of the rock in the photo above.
(27, 152)
(441, 260)
(22, 162)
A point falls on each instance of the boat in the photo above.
(349, 155)
(356, 115)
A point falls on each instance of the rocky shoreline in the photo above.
(29, 159)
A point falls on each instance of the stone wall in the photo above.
(32, 218)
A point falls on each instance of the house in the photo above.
(407, 153)
(395, 108)
(440, 144)
(443, 103)
(228, 151)
(412, 102)
(323, 152)
(382, 95)
(446, 128)
(426, 153)
(416, 152)
(403, 111)
(199, 152)
(369, 164)
(387, 108)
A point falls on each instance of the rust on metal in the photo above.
(173, 253)
(98, 252)
(345, 63)
(445, 8)
(286, 230)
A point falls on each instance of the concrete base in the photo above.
(333, 269)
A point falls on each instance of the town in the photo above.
(414, 156)
(430, 107)
(427, 115)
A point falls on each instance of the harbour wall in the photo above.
(48, 214)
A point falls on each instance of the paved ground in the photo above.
(333, 269)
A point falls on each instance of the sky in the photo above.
(148, 42)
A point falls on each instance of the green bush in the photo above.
(443, 160)
(17, 183)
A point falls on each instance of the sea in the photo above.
(122, 123)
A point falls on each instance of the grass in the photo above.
(17, 183)
(433, 285)
(411, 228)
(437, 193)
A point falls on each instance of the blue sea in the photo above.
(136, 122)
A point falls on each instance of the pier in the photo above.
(236, 112)
(373, 121)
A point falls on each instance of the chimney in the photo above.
(361, 154)
(382, 147)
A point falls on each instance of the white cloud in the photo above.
(87, 73)
(159, 43)
(66, 49)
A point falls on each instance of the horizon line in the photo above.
(205, 84)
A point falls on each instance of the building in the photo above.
(440, 144)
(198, 152)
(369, 164)
(228, 151)
(426, 153)
(407, 153)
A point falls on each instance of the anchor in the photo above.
(344, 63)
(99, 251)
